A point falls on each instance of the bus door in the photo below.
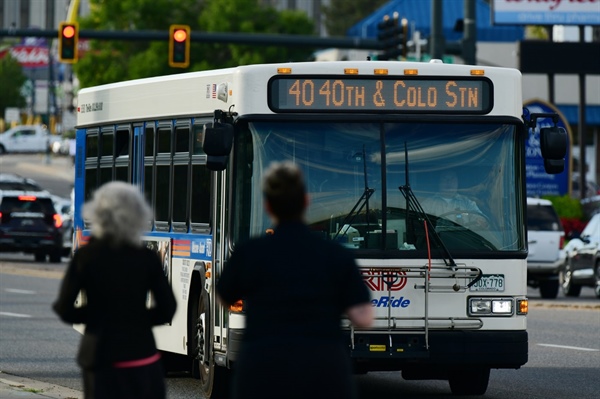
(219, 218)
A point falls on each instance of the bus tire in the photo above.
(469, 382)
(214, 380)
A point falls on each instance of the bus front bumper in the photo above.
(447, 349)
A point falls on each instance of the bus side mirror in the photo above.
(553, 143)
(217, 140)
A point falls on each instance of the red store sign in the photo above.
(29, 56)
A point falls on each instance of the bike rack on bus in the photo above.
(463, 276)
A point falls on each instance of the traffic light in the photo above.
(68, 37)
(392, 36)
(179, 46)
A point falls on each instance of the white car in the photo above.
(27, 138)
(545, 238)
(64, 208)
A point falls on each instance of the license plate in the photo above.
(489, 282)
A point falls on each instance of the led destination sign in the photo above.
(384, 94)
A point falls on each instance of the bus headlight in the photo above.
(490, 306)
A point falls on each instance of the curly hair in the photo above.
(118, 212)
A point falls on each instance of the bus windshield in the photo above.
(358, 175)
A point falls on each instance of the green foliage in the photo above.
(12, 78)
(232, 16)
(566, 207)
(341, 15)
(536, 32)
(113, 61)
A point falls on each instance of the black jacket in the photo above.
(117, 282)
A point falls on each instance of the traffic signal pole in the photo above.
(211, 37)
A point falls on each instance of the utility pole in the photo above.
(437, 34)
(469, 34)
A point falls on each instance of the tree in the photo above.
(12, 78)
(341, 15)
(112, 61)
(232, 16)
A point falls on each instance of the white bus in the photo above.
(372, 138)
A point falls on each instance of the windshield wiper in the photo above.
(413, 205)
(362, 201)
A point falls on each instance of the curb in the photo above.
(14, 387)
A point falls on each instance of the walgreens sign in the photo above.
(28, 56)
(546, 12)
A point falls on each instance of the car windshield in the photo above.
(361, 177)
(542, 218)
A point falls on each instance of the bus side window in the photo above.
(200, 194)
(162, 187)
(162, 190)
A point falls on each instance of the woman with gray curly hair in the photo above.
(117, 354)
(118, 213)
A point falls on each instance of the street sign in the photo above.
(538, 182)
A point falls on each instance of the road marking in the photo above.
(570, 347)
(17, 291)
(14, 314)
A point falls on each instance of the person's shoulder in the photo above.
(253, 243)
(93, 245)
(337, 250)
(145, 251)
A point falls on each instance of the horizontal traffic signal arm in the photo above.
(210, 37)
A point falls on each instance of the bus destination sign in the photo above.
(389, 94)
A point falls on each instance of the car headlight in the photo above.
(479, 306)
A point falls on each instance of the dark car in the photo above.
(582, 267)
(30, 223)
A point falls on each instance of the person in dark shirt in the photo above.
(296, 286)
(116, 273)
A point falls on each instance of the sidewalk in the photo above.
(14, 387)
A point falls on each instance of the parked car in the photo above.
(29, 223)
(64, 208)
(582, 266)
(592, 188)
(11, 181)
(545, 238)
(27, 138)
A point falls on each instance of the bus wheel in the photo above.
(213, 379)
(469, 382)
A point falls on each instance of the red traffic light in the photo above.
(180, 35)
(179, 46)
(68, 37)
(68, 31)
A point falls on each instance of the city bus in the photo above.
(372, 139)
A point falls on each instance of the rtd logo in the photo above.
(384, 279)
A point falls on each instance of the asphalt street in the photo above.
(53, 168)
